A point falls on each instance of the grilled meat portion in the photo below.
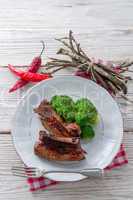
(61, 147)
(55, 150)
(61, 142)
(54, 124)
(73, 128)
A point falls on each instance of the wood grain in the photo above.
(117, 184)
(105, 30)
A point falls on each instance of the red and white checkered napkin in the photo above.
(119, 160)
(42, 183)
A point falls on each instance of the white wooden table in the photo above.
(105, 30)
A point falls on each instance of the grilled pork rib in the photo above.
(55, 150)
(58, 130)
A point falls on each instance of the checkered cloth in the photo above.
(42, 182)
(119, 160)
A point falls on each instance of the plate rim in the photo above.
(117, 146)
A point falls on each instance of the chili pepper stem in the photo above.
(43, 47)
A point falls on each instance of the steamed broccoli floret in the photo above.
(70, 117)
(61, 100)
(84, 105)
(86, 112)
(81, 118)
(85, 118)
(87, 132)
(63, 105)
(94, 119)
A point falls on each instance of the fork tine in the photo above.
(23, 169)
(19, 174)
(32, 168)
(28, 173)
(23, 174)
(18, 169)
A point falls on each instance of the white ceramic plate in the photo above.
(100, 150)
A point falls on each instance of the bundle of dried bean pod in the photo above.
(108, 76)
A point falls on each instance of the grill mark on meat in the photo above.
(50, 154)
(52, 121)
(60, 147)
(53, 125)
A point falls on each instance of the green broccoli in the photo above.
(70, 117)
(81, 118)
(63, 105)
(94, 119)
(84, 105)
(86, 112)
(87, 132)
(61, 100)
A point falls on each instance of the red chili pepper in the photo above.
(20, 83)
(36, 63)
(34, 66)
(29, 76)
(35, 77)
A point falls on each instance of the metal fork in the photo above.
(35, 172)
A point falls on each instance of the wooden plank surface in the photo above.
(117, 184)
(105, 30)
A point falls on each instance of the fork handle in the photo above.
(94, 172)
